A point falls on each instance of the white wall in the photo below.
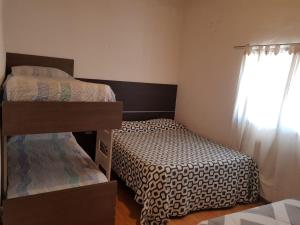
(210, 66)
(132, 40)
(139, 40)
(2, 49)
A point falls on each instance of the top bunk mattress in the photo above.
(35, 88)
(48, 162)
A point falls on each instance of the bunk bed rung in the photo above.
(105, 137)
(102, 159)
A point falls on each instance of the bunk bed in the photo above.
(24, 122)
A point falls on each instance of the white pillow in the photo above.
(39, 71)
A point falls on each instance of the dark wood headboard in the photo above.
(141, 100)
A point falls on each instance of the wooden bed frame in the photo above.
(153, 101)
(92, 204)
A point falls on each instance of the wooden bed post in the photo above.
(3, 167)
(104, 158)
(109, 145)
(98, 148)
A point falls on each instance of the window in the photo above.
(269, 88)
(267, 117)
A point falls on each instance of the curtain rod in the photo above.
(245, 46)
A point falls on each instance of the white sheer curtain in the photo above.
(267, 117)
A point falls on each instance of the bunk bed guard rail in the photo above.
(21, 118)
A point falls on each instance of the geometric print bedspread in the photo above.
(286, 212)
(174, 172)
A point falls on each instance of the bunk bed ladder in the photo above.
(104, 150)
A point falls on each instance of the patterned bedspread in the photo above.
(286, 212)
(30, 88)
(48, 162)
(174, 171)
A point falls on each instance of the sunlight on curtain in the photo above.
(263, 84)
(291, 110)
(267, 117)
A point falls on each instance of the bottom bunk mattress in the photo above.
(48, 162)
(173, 171)
(286, 212)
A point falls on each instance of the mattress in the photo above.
(48, 162)
(286, 212)
(174, 171)
(32, 88)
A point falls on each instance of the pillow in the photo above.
(133, 126)
(39, 71)
(150, 125)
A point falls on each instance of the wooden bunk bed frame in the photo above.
(92, 204)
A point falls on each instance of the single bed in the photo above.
(285, 212)
(173, 171)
